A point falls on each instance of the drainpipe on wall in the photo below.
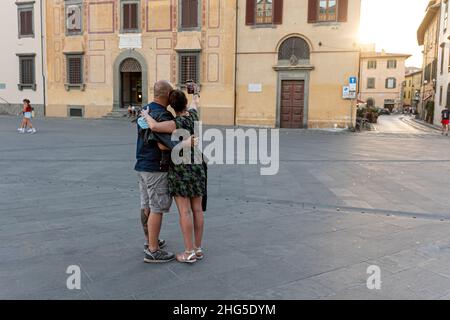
(43, 60)
(235, 62)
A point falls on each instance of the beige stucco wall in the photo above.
(413, 82)
(9, 62)
(334, 61)
(430, 52)
(160, 37)
(381, 73)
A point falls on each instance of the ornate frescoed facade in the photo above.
(105, 55)
(268, 63)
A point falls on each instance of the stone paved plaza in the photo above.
(340, 203)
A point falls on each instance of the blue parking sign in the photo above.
(352, 80)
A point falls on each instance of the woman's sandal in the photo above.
(190, 258)
(199, 253)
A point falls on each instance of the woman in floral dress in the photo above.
(187, 181)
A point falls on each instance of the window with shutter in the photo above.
(327, 10)
(189, 14)
(391, 83)
(188, 67)
(392, 64)
(130, 16)
(27, 72)
(26, 28)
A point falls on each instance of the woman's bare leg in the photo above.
(186, 226)
(197, 209)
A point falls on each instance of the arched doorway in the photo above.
(293, 82)
(130, 80)
(130, 83)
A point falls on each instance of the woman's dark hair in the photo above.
(26, 101)
(178, 100)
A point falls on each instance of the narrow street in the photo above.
(401, 124)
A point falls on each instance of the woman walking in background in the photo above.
(27, 116)
(187, 182)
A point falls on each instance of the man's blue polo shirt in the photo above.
(148, 154)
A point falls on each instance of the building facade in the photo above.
(104, 55)
(268, 63)
(411, 92)
(22, 61)
(293, 59)
(382, 77)
(442, 97)
(428, 37)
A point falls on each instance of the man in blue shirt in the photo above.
(152, 167)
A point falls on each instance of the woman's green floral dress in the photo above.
(188, 180)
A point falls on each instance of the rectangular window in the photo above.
(74, 17)
(26, 19)
(441, 92)
(372, 64)
(445, 17)
(27, 72)
(370, 83)
(74, 71)
(130, 16)
(189, 67)
(189, 14)
(391, 83)
(442, 57)
(264, 12)
(392, 64)
(327, 10)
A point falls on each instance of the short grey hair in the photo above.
(162, 88)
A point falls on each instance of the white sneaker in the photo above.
(32, 130)
(21, 130)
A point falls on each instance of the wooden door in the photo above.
(292, 104)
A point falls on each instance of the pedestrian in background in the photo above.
(445, 120)
(27, 116)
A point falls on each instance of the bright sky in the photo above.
(392, 25)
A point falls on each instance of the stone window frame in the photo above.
(387, 83)
(336, 10)
(25, 6)
(372, 64)
(138, 23)
(73, 2)
(81, 86)
(32, 57)
(371, 80)
(189, 53)
(199, 17)
(392, 64)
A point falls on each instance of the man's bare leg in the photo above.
(154, 228)
(144, 220)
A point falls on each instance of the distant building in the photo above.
(21, 56)
(442, 96)
(428, 37)
(411, 88)
(382, 76)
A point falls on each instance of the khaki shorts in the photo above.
(154, 189)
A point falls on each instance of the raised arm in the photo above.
(161, 127)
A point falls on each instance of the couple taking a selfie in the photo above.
(161, 181)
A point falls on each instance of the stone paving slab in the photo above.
(340, 203)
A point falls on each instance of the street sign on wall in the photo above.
(352, 83)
